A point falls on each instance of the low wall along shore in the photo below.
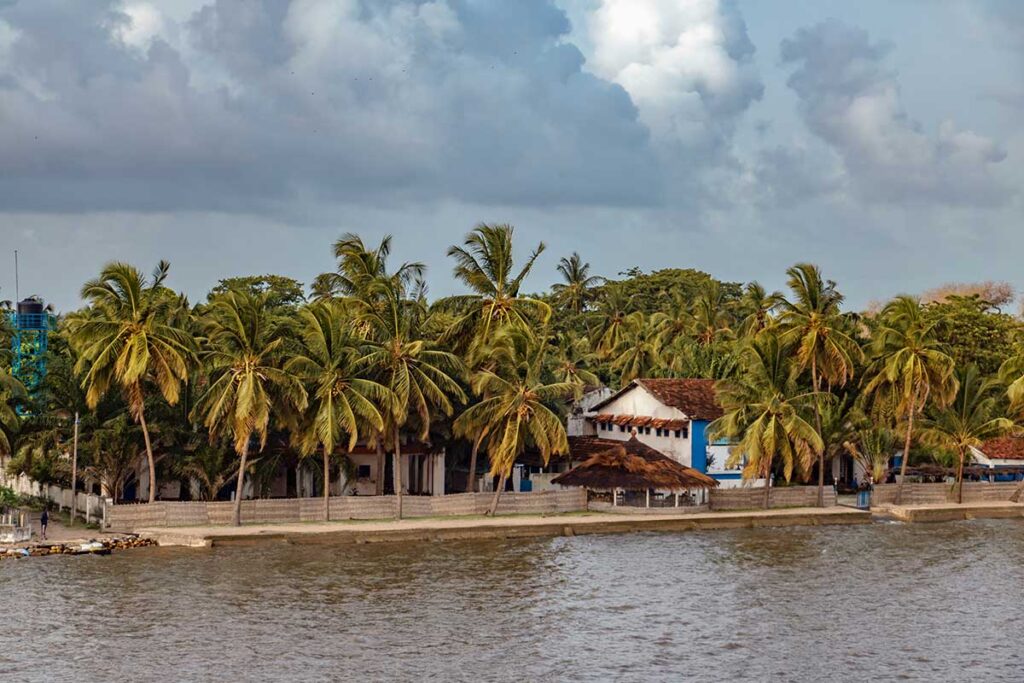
(939, 494)
(284, 510)
(290, 510)
(780, 497)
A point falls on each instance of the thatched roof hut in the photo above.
(634, 466)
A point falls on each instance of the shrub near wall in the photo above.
(292, 510)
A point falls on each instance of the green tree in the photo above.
(11, 392)
(639, 353)
(130, 337)
(513, 411)
(419, 378)
(973, 331)
(909, 368)
(342, 400)
(243, 357)
(485, 264)
(763, 412)
(211, 466)
(577, 291)
(812, 322)
(756, 307)
(971, 419)
(281, 291)
(358, 267)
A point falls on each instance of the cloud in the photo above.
(850, 100)
(687, 66)
(267, 104)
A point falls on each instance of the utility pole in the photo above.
(74, 473)
(17, 291)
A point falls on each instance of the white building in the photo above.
(669, 415)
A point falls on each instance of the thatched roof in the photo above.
(634, 466)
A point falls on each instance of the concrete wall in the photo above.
(169, 514)
(88, 506)
(937, 494)
(781, 497)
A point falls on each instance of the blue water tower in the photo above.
(31, 324)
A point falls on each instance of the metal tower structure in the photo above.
(31, 325)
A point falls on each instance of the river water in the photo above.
(879, 602)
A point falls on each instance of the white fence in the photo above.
(88, 506)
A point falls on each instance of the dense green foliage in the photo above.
(264, 373)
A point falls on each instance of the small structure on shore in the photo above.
(632, 467)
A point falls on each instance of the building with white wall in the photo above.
(669, 415)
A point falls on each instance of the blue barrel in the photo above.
(864, 500)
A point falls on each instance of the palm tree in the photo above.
(572, 356)
(419, 379)
(872, 446)
(757, 306)
(358, 267)
(712, 319)
(611, 315)
(513, 411)
(909, 369)
(639, 353)
(130, 336)
(1011, 372)
(11, 391)
(687, 358)
(577, 291)
(210, 466)
(486, 265)
(968, 421)
(246, 381)
(343, 400)
(812, 322)
(764, 414)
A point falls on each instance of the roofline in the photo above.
(638, 382)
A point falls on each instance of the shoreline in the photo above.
(519, 526)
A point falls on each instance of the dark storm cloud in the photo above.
(851, 100)
(276, 101)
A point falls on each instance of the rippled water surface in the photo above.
(880, 602)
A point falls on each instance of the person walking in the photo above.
(44, 521)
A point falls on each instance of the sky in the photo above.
(882, 139)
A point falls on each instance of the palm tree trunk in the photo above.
(149, 455)
(906, 456)
(380, 466)
(497, 494)
(327, 485)
(817, 424)
(470, 488)
(238, 487)
(398, 474)
(768, 487)
(960, 479)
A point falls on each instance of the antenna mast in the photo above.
(17, 292)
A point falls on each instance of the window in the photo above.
(683, 433)
(364, 472)
(647, 430)
(622, 428)
(657, 431)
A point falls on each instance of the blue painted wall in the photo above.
(699, 445)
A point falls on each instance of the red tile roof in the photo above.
(695, 397)
(1004, 448)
